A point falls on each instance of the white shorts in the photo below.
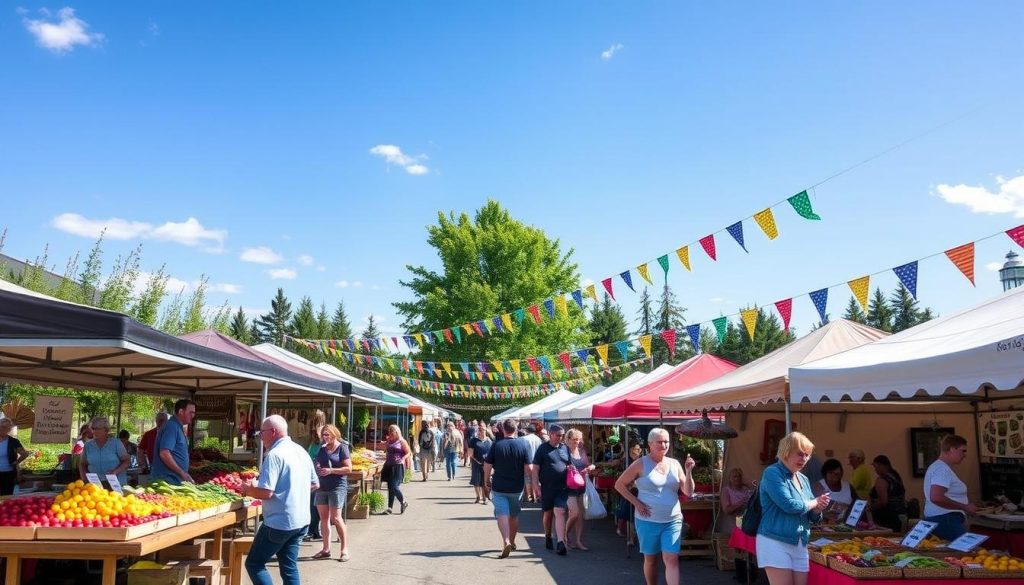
(776, 554)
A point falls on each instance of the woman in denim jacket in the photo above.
(788, 509)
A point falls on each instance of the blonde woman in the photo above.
(580, 460)
(333, 462)
(398, 457)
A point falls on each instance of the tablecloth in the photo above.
(821, 575)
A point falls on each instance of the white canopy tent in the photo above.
(977, 352)
(581, 411)
(551, 415)
(539, 406)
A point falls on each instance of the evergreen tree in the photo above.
(255, 335)
(854, 312)
(239, 328)
(303, 324)
(669, 315)
(821, 323)
(340, 326)
(906, 313)
(194, 318)
(147, 306)
(607, 324)
(276, 324)
(323, 322)
(645, 316)
(371, 331)
(879, 313)
(769, 335)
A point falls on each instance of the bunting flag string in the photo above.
(963, 257)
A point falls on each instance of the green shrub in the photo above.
(374, 500)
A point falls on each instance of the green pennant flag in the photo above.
(663, 260)
(458, 333)
(520, 314)
(801, 202)
(720, 326)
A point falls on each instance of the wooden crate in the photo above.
(172, 574)
(17, 532)
(207, 570)
(207, 512)
(864, 572)
(188, 517)
(725, 555)
(92, 533)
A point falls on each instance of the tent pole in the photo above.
(263, 415)
(789, 426)
(348, 422)
(120, 403)
(334, 411)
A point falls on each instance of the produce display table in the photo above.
(1011, 542)
(822, 575)
(110, 551)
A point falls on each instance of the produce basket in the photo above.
(93, 533)
(207, 512)
(164, 523)
(188, 517)
(817, 557)
(950, 572)
(979, 573)
(864, 572)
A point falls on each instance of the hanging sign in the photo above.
(115, 485)
(856, 511)
(968, 542)
(53, 419)
(920, 532)
(215, 407)
(1002, 434)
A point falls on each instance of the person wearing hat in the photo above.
(860, 478)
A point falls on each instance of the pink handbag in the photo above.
(573, 478)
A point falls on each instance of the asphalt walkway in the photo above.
(444, 538)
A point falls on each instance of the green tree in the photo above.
(92, 270)
(116, 294)
(239, 328)
(220, 320)
(276, 324)
(194, 318)
(34, 276)
(769, 335)
(171, 321)
(323, 322)
(645, 316)
(670, 315)
(303, 323)
(607, 323)
(879, 313)
(492, 264)
(854, 312)
(371, 331)
(68, 287)
(255, 335)
(906, 313)
(341, 328)
(147, 305)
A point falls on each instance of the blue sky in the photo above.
(320, 140)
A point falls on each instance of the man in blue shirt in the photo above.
(171, 461)
(286, 479)
(510, 460)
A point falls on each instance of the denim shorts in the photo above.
(659, 537)
(506, 504)
(334, 498)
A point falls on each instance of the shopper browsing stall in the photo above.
(171, 462)
(888, 497)
(841, 491)
(945, 494)
(104, 455)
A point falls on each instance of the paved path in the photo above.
(444, 538)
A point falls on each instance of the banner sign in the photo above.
(53, 419)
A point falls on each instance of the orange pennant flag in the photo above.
(750, 320)
(602, 350)
(860, 287)
(645, 342)
(591, 291)
(642, 271)
(963, 258)
(684, 256)
(766, 221)
(560, 306)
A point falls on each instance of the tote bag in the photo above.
(592, 505)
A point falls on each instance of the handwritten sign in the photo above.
(94, 479)
(856, 511)
(920, 532)
(53, 419)
(968, 542)
(115, 485)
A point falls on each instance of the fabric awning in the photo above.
(581, 411)
(766, 379)
(978, 351)
(538, 406)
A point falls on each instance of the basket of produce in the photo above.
(877, 567)
(991, 565)
(917, 566)
(817, 557)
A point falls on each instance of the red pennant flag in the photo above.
(476, 327)
(532, 363)
(535, 312)
(395, 341)
(566, 361)
(448, 335)
(419, 367)
(608, 287)
(366, 344)
(332, 345)
(1017, 235)
(785, 309)
(669, 336)
(708, 243)
(963, 258)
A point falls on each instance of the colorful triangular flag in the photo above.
(860, 287)
(645, 342)
(535, 313)
(908, 276)
(602, 352)
(457, 332)
(785, 309)
(721, 326)
(766, 220)
(577, 295)
(550, 306)
(591, 291)
(684, 257)
(669, 337)
(1017, 235)
(641, 269)
(506, 319)
(736, 231)
(566, 360)
(749, 318)
(820, 300)
(561, 306)
(801, 202)
(608, 287)
(663, 261)
(583, 355)
(963, 258)
(708, 243)
(628, 279)
(693, 331)
(623, 347)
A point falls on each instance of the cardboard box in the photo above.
(171, 574)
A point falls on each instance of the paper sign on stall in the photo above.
(94, 479)
(115, 485)
(856, 511)
(822, 542)
(920, 532)
(968, 542)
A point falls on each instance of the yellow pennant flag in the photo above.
(642, 270)
(860, 287)
(419, 338)
(447, 368)
(591, 291)
(516, 367)
(645, 342)
(490, 376)
(468, 329)
(506, 320)
(498, 366)
(684, 256)
(602, 350)
(750, 320)
(560, 306)
(766, 220)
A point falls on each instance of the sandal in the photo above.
(344, 558)
(324, 554)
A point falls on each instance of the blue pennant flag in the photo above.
(908, 276)
(497, 324)
(483, 327)
(430, 368)
(628, 279)
(736, 231)
(820, 298)
(623, 347)
(550, 306)
(583, 354)
(408, 340)
(520, 314)
(694, 332)
(544, 363)
(577, 295)
(465, 367)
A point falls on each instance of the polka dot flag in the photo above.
(684, 256)
(694, 332)
(766, 220)
(785, 309)
(1017, 235)
(820, 299)
(628, 279)
(750, 320)
(708, 243)
(644, 273)
(801, 202)
(721, 325)
(860, 287)
(608, 287)
(908, 276)
(736, 231)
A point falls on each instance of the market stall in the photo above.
(581, 411)
(537, 407)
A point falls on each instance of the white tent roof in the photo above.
(582, 410)
(551, 414)
(539, 406)
(766, 379)
(319, 369)
(972, 352)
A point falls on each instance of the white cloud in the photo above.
(282, 274)
(587, 282)
(64, 33)
(223, 287)
(260, 255)
(321, 268)
(305, 260)
(993, 266)
(357, 284)
(1008, 198)
(606, 55)
(719, 300)
(189, 232)
(341, 284)
(176, 285)
(394, 156)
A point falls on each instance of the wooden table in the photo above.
(698, 514)
(110, 551)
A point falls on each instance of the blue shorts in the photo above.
(551, 498)
(506, 504)
(659, 537)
